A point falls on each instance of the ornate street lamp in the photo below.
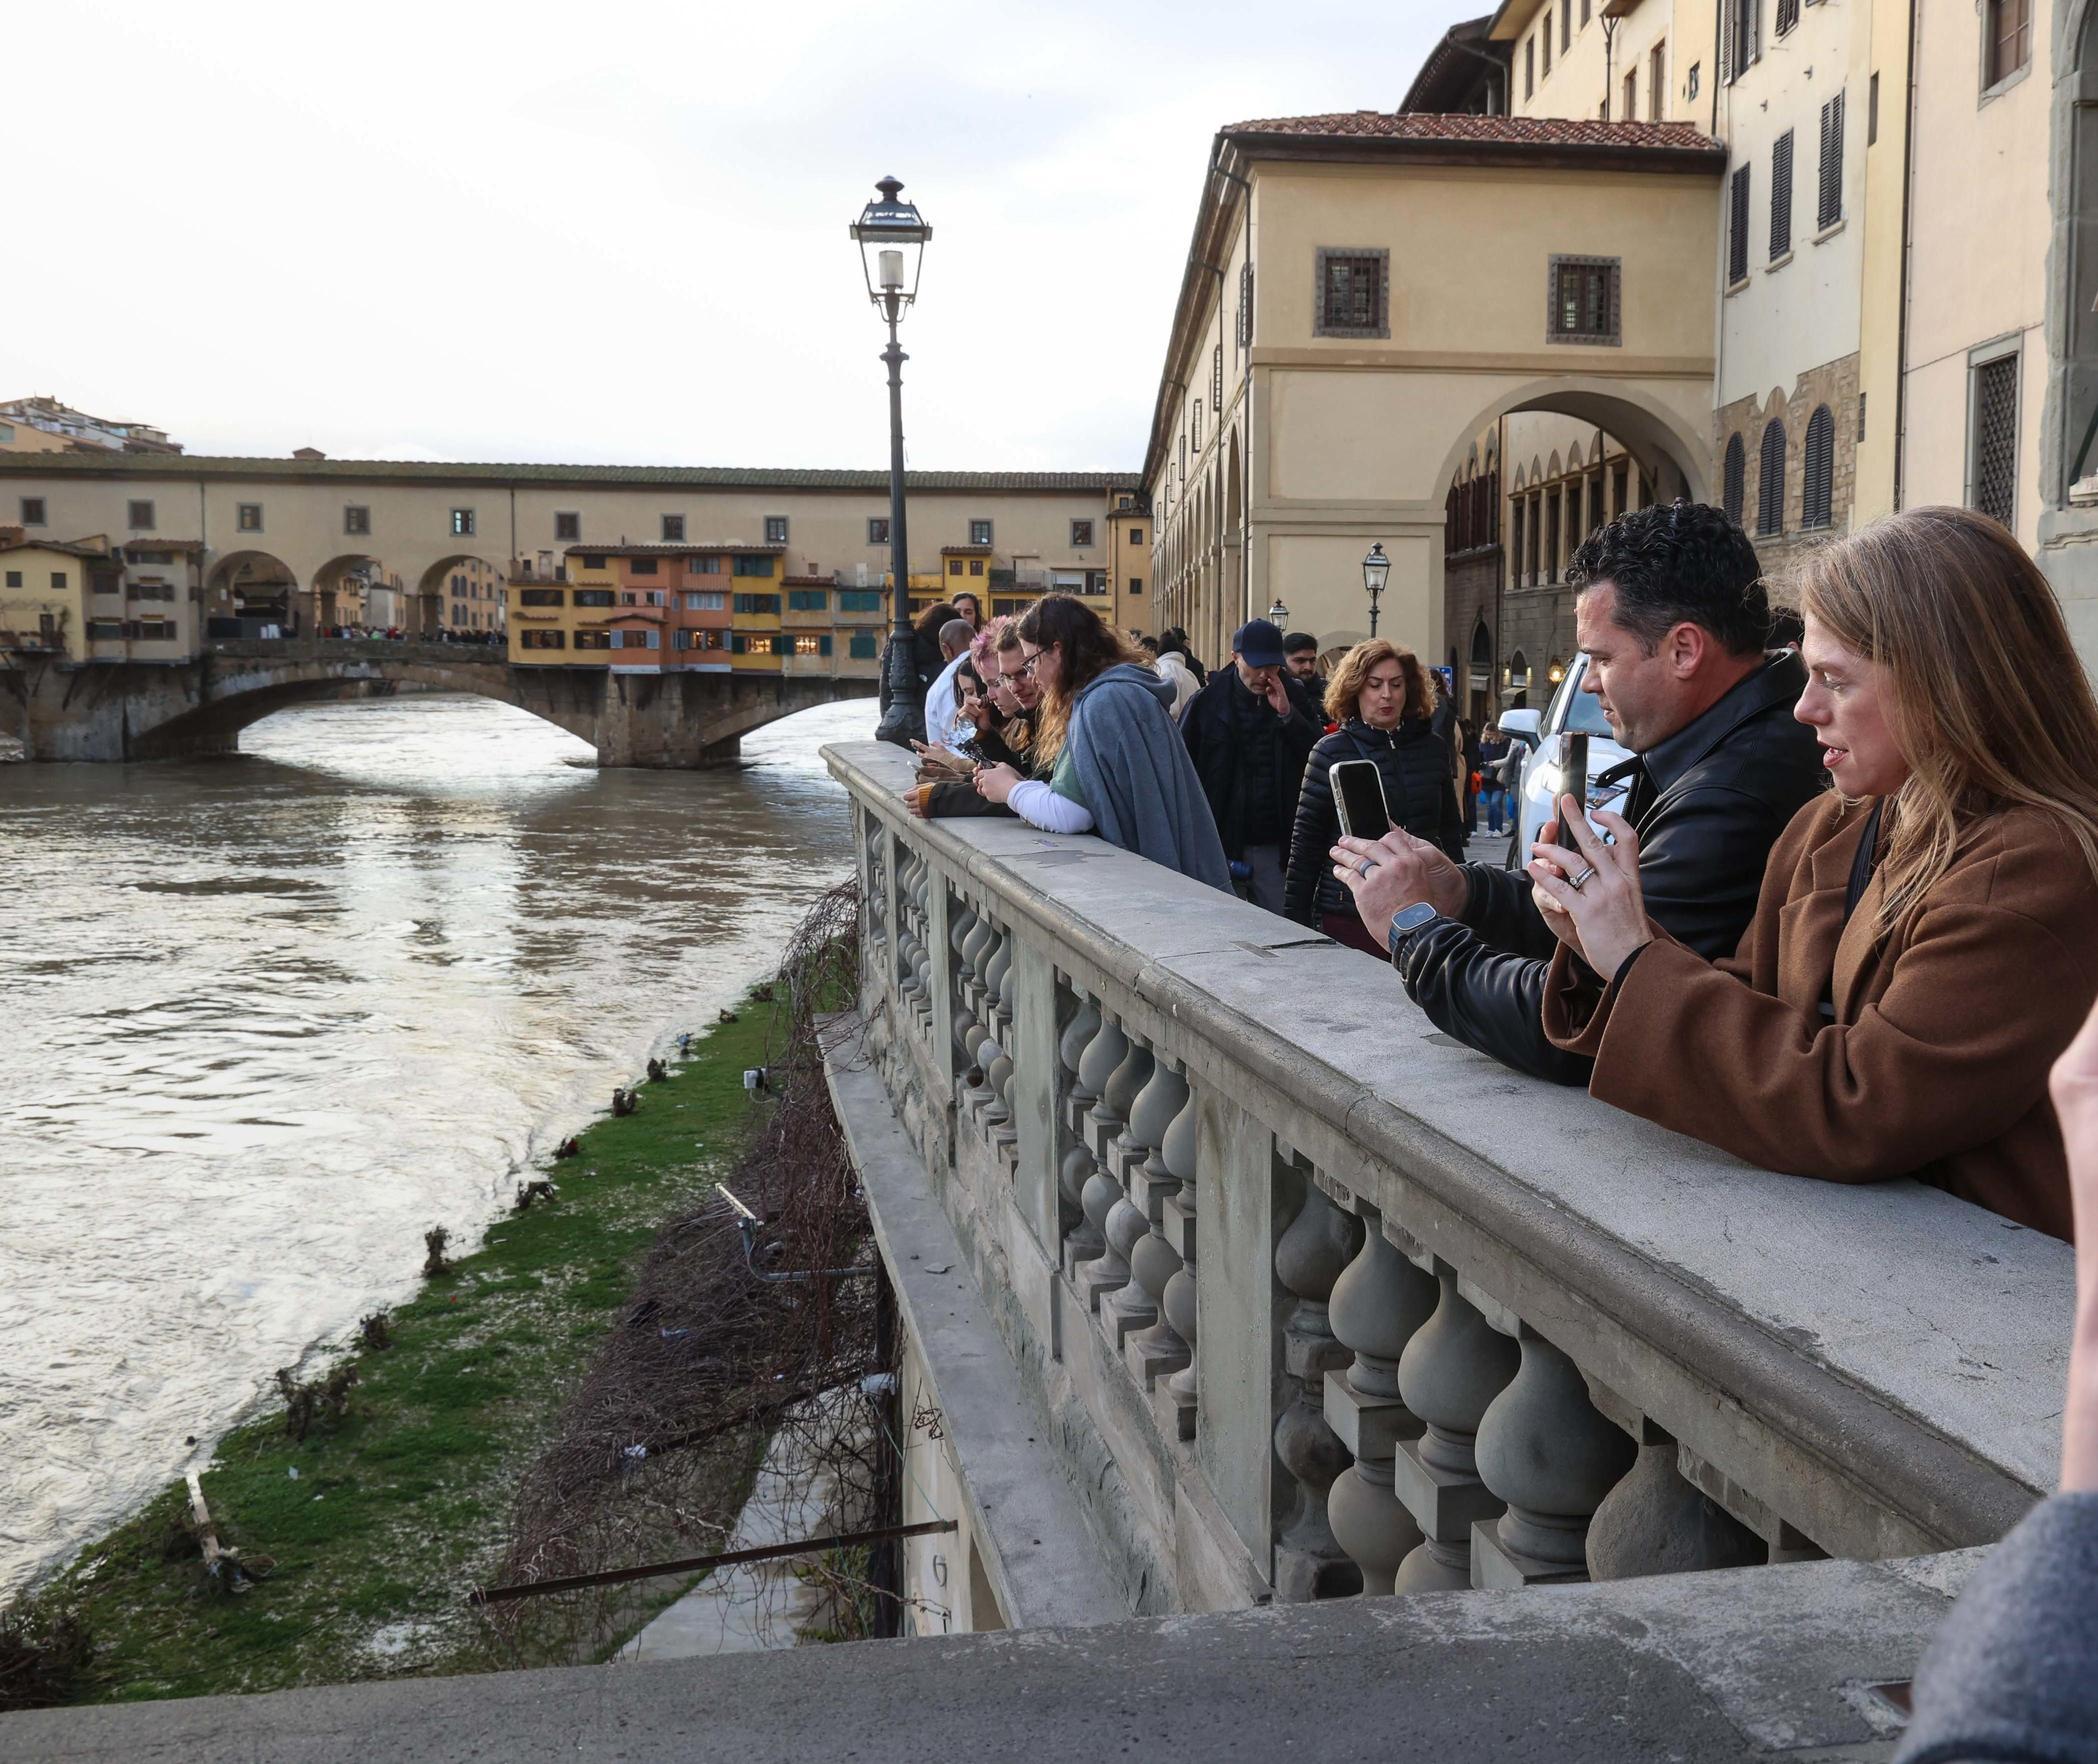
(1375, 568)
(1278, 613)
(892, 236)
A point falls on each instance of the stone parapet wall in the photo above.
(1312, 1299)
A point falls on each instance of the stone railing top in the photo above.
(1906, 1335)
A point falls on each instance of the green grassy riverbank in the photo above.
(379, 1523)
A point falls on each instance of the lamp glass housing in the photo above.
(1376, 569)
(892, 235)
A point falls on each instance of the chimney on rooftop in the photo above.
(307, 453)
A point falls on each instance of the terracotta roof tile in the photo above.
(1510, 131)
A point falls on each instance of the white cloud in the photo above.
(617, 233)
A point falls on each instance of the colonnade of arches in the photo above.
(251, 592)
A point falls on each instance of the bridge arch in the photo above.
(681, 719)
(248, 590)
(354, 588)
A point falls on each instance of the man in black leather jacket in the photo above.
(1673, 615)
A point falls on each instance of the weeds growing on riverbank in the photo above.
(379, 1522)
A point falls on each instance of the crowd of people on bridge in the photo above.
(1843, 922)
(1847, 845)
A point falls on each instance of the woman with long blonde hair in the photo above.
(1926, 942)
(1106, 754)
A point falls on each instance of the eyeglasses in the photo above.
(1027, 664)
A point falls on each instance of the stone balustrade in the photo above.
(1315, 1301)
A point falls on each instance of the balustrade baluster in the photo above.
(1656, 1522)
(1451, 1370)
(1378, 1302)
(1102, 1058)
(988, 1051)
(1073, 1166)
(1104, 1199)
(1135, 1306)
(1309, 1562)
(1545, 1450)
(1180, 1304)
(958, 935)
(1005, 1134)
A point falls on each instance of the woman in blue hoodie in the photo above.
(1115, 763)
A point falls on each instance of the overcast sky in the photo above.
(615, 232)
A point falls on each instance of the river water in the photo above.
(269, 1018)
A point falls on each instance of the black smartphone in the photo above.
(1358, 797)
(1573, 782)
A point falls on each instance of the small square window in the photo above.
(141, 517)
(32, 511)
(58, 578)
(954, 566)
(568, 526)
(356, 519)
(14, 578)
(877, 529)
(979, 532)
(775, 529)
(247, 517)
(462, 523)
(1136, 535)
(673, 529)
(1351, 297)
(1136, 584)
(1585, 300)
(976, 566)
(1081, 533)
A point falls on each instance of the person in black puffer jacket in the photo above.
(1384, 701)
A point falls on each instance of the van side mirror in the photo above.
(1521, 725)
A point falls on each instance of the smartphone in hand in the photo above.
(1573, 782)
(1358, 798)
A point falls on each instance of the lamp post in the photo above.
(892, 235)
(1278, 613)
(1375, 569)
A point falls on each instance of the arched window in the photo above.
(1735, 495)
(1818, 488)
(1770, 491)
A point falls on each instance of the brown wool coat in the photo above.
(1935, 1065)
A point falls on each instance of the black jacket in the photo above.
(1415, 767)
(1252, 792)
(1708, 804)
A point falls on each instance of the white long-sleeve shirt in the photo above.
(1039, 806)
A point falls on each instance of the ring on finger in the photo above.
(1363, 866)
(1574, 882)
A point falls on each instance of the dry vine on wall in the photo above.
(658, 1444)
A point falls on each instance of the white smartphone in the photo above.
(1358, 798)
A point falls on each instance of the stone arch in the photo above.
(1649, 432)
(248, 591)
(344, 586)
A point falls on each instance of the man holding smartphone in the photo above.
(1673, 616)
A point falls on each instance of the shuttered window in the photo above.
(1735, 479)
(1216, 379)
(1995, 443)
(1787, 15)
(1245, 304)
(1830, 209)
(1818, 470)
(1781, 196)
(1740, 38)
(1737, 229)
(1770, 491)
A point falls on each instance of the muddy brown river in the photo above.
(267, 1019)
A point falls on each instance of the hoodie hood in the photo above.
(1128, 674)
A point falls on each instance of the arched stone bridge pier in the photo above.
(115, 711)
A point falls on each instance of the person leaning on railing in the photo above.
(1113, 760)
(1926, 941)
(1003, 722)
